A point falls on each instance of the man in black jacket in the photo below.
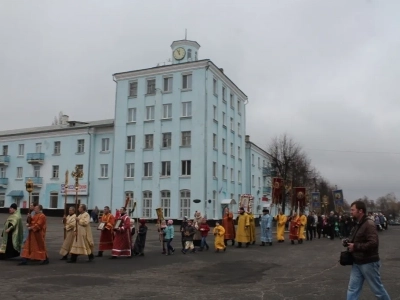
(363, 244)
(310, 226)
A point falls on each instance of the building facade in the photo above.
(177, 142)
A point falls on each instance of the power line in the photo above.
(352, 151)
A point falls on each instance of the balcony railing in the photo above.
(266, 171)
(4, 160)
(37, 181)
(266, 190)
(3, 182)
(35, 158)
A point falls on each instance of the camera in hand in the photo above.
(345, 242)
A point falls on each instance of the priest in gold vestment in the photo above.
(243, 230)
(303, 224)
(69, 225)
(281, 220)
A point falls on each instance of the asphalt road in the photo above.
(283, 271)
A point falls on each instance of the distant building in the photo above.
(177, 142)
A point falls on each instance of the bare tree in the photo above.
(57, 120)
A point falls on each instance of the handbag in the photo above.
(346, 258)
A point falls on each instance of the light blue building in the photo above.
(177, 142)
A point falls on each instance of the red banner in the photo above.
(299, 197)
(277, 186)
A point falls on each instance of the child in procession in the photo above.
(169, 236)
(219, 233)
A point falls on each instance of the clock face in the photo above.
(179, 53)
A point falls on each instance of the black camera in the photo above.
(345, 242)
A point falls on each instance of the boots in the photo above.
(90, 257)
(45, 262)
(100, 254)
(73, 259)
(270, 243)
(65, 257)
(239, 245)
(262, 244)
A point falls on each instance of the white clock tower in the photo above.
(184, 51)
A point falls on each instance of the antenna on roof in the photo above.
(185, 34)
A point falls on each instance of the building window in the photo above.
(56, 171)
(166, 140)
(239, 177)
(20, 172)
(132, 115)
(215, 141)
(223, 145)
(232, 175)
(148, 141)
(259, 162)
(133, 89)
(149, 113)
(35, 198)
(223, 172)
(81, 146)
(36, 171)
(3, 172)
(239, 132)
(214, 213)
(53, 200)
(186, 109)
(2, 199)
(80, 167)
(185, 204)
(21, 149)
(57, 148)
(167, 85)
(130, 170)
(215, 113)
(104, 171)
(165, 168)
(130, 142)
(130, 203)
(252, 181)
(214, 169)
(147, 204)
(5, 150)
(186, 168)
(232, 151)
(105, 144)
(189, 52)
(167, 111)
(259, 182)
(151, 86)
(187, 81)
(166, 203)
(252, 159)
(239, 153)
(186, 138)
(238, 107)
(223, 94)
(223, 119)
(38, 147)
(215, 87)
(148, 169)
(231, 100)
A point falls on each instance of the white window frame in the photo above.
(215, 141)
(253, 184)
(224, 119)
(232, 125)
(167, 111)
(38, 147)
(165, 197)
(148, 141)
(223, 145)
(214, 204)
(36, 171)
(232, 101)
(186, 82)
(53, 197)
(147, 204)
(184, 201)
(232, 150)
(166, 140)
(239, 176)
(223, 172)
(105, 144)
(167, 84)
(238, 107)
(149, 113)
(165, 168)
(214, 169)
(2, 199)
(186, 167)
(81, 146)
(129, 170)
(186, 109)
(223, 93)
(151, 86)
(5, 150)
(20, 172)
(259, 182)
(239, 131)
(3, 172)
(57, 148)
(133, 89)
(259, 162)
(55, 172)
(132, 115)
(252, 160)
(148, 169)
(232, 175)
(104, 171)
(186, 138)
(215, 86)
(215, 112)
(239, 153)
(130, 142)
(21, 150)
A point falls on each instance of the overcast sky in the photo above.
(325, 72)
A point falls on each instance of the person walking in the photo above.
(363, 244)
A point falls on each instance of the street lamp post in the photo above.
(29, 189)
(77, 174)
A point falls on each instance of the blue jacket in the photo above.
(169, 232)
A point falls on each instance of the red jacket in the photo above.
(204, 229)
